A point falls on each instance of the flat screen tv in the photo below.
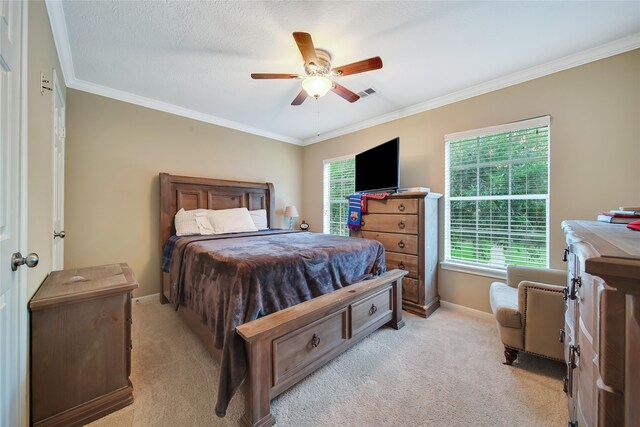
(378, 169)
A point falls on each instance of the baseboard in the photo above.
(147, 298)
(483, 315)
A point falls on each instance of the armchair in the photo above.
(529, 310)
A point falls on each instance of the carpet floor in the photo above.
(442, 371)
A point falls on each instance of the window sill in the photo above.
(495, 273)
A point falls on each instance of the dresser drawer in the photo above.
(611, 342)
(370, 310)
(394, 242)
(406, 224)
(587, 289)
(392, 206)
(610, 409)
(587, 374)
(403, 262)
(297, 350)
(410, 289)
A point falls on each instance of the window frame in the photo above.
(475, 267)
(326, 202)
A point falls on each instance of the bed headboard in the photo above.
(177, 192)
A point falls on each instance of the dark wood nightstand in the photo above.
(81, 345)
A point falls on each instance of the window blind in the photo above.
(497, 195)
(339, 182)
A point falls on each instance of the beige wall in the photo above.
(595, 150)
(42, 56)
(114, 152)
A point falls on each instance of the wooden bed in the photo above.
(286, 346)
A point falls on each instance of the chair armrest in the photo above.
(542, 308)
(516, 274)
(526, 287)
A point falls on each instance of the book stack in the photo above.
(624, 215)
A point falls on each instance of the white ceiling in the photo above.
(195, 58)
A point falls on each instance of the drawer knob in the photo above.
(401, 207)
(573, 292)
(401, 265)
(401, 244)
(362, 223)
(401, 225)
(315, 341)
(373, 310)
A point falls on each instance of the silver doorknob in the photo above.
(60, 234)
(30, 260)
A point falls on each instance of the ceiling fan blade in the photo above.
(260, 76)
(345, 93)
(305, 44)
(358, 67)
(300, 98)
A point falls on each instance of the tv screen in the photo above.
(379, 167)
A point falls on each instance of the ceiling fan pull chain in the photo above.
(318, 117)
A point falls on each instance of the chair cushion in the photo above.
(504, 304)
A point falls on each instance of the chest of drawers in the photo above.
(407, 225)
(602, 324)
(81, 345)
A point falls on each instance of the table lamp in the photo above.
(291, 212)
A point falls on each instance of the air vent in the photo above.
(367, 92)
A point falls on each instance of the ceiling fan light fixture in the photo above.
(317, 86)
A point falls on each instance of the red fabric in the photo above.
(635, 225)
(366, 196)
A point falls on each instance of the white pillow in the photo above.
(234, 220)
(193, 222)
(259, 218)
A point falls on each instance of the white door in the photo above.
(59, 133)
(12, 315)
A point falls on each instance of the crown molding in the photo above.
(166, 107)
(590, 55)
(61, 38)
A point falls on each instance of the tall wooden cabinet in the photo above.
(602, 324)
(81, 345)
(407, 225)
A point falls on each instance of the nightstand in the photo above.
(81, 345)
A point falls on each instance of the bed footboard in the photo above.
(286, 346)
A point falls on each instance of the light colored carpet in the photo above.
(442, 371)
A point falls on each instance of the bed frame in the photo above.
(286, 346)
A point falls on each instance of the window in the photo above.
(339, 182)
(497, 195)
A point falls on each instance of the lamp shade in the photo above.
(291, 212)
(317, 86)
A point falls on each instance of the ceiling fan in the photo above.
(317, 67)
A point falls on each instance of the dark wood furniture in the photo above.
(602, 324)
(407, 225)
(286, 346)
(81, 345)
(178, 192)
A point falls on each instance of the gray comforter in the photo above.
(232, 279)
